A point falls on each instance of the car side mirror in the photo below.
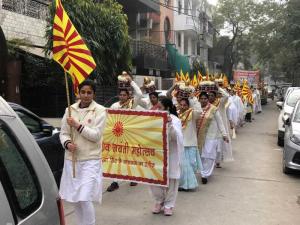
(47, 129)
(286, 120)
(279, 104)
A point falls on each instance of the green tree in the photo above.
(104, 28)
(236, 17)
(275, 39)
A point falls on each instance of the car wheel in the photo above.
(280, 142)
(285, 169)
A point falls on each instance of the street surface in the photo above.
(252, 190)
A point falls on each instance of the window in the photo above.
(297, 115)
(32, 124)
(17, 176)
(186, 7)
(179, 40)
(179, 7)
(293, 98)
(167, 29)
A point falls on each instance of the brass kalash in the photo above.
(149, 85)
(123, 81)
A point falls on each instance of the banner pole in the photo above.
(71, 129)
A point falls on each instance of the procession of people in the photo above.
(203, 119)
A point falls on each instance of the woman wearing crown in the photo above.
(210, 130)
(189, 112)
(150, 101)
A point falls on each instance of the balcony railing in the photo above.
(33, 8)
(143, 47)
(149, 55)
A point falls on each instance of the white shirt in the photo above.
(137, 95)
(190, 131)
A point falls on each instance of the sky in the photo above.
(213, 2)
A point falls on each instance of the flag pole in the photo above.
(71, 129)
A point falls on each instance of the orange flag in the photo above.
(69, 50)
(247, 93)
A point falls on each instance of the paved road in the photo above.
(252, 190)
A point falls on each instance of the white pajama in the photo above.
(208, 166)
(209, 156)
(82, 190)
(85, 213)
(87, 184)
(166, 195)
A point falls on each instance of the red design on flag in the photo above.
(69, 49)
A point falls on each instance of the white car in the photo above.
(286, 110)
(291, 151)
(28, 192)
(162, 93)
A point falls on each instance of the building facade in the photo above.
(150, 27)
(25, 20)
(193, 29)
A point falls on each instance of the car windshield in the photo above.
(297, 115)
(293, 98)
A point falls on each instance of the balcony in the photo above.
(149, 56)
(141, 6)
(185, 23)
(33, 8)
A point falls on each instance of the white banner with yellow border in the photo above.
(135, 146)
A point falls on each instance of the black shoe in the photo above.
(132, 184)
(218, 165)
(204, 180)
(182, 189)
(113, 186)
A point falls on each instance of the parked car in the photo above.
(28, 192)
(162, 93)
(288, 90)
(291, 150)
(271, 92)
(47, 138)
(286, 109)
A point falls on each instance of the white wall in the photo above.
(22, 27)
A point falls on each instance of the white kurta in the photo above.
(232, 112)
(190, 131)
(86, 186)
(258, 101)
(167, 195)
(225, 149)
(215, 132)
(175, 147)
(240, 107)
(137, 95)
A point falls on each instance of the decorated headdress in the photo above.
(149, 85)
(123, 82)
(220, 80)
(185, 90)
(207, 84)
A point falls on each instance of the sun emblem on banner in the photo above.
(118, 129)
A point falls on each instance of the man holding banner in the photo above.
(125, 85)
